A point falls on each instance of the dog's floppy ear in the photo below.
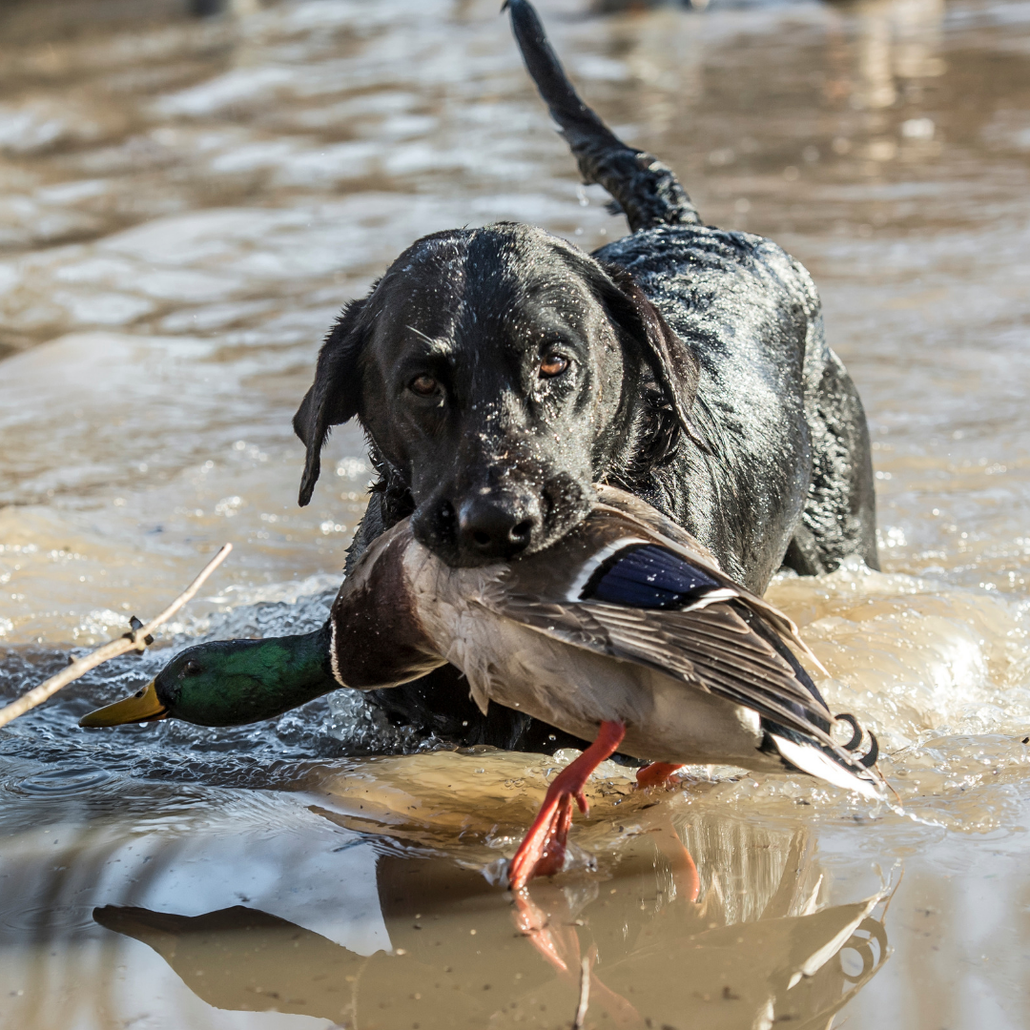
(675, 366)
(335, 393)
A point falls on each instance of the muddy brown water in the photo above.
(185, 203)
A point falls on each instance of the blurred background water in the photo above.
(188, 194)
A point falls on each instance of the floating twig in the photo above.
(135, 640)
(584, 994)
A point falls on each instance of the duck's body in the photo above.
(548, 660)
(626, 631)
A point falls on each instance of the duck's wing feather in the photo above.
(717, 651)
(713, 650)
(639, 600)
(686, 558)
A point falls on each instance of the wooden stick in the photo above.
(135, 640)
(584, 993)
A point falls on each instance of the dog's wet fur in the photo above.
(499, 372)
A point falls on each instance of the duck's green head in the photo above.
(229, 682)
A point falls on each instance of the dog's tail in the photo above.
(647, 190)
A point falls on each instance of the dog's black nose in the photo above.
(492, 527)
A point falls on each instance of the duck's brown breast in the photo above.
(377, 637)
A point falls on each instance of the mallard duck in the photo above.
(626, 632)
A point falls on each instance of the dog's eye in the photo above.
(424, 386)
(553, 365)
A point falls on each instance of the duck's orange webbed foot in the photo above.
(542, 852)
(656, 773)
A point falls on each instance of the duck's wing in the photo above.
(637, 516)
(716, 650)
(713, 649)
(640, 601)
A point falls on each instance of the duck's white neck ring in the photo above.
(334, 661)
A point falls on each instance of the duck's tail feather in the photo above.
(647, 190)
(827, 765)
(869, 758)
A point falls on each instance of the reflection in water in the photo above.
(260, 903)
(896, 44)
(462, 956)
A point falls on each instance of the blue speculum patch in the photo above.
(647, 576)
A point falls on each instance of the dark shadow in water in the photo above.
(32, 19)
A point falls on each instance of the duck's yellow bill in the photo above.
(143, 706)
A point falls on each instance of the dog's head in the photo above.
(499, 372)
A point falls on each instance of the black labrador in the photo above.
(499, 372)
